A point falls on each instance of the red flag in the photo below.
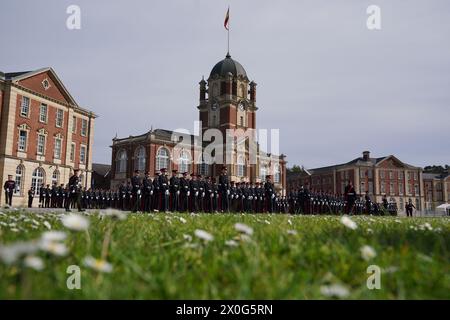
(227, 19)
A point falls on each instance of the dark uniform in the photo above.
(164, 190)
(174, 191)
(30, 197)
(184, 192)
(270, 194)
(224, 189)
(147, 188)
(350, 197)
(193, 190)
(10, 187)
(74, 189)
(136, 191)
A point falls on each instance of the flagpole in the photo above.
(229, 25)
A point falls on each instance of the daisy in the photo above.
(292, 232)
(231, 243)
(335, 290)
(98, 264)
(243, 228)
(9, 254)
(47, 225)
(115, 214)
(187, 237)
(53, 247)
(202, 234)
(349, 223)
(54, 236)
(183, 220)
(34, 262)
(75, 222)
(367, 252)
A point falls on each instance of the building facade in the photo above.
(384, 176)
(437, 189)
(44, 133)
(227, 102)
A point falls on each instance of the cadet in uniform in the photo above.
(174, 190)
(10, 187)
(147, 186)
(164, 190)
(269, 193)
(74, 189)
(30, 197)
(224, 188)
(193, 189)
(136, 191)
(184, 192)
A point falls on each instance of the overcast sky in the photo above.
(332, 87)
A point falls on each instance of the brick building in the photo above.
(379, 176)
(44, 133)
(227, 101)
(436, 189)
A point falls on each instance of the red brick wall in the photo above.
(79, 139)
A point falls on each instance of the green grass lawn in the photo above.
(158, 256)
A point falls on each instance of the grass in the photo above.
(151, 258)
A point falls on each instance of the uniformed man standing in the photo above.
(147, 186)
(184, 192)
(30, 197)
(193, 190)
(136, 191)
(48, 196)
(10, 187)
(174, 190)
(350, 195)
(224, 188)
(164, 190)
(269, 193)
(74, 189)
(156, 193)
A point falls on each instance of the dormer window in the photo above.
(46, 84)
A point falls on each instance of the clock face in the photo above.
(242, 106)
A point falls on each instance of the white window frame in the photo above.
(22, 143)
(140, 158)
(162, 161)
(37, 180)
(240, 167)
(43, 117)
(59, 121)
(121, 161)
(83, 156)
(277, 174)
(20, 173)
(74, 124)
(40, 135)
(25, 106)
(57, 151)
(84, 127)
(73, 149)
(55, 177)
(184, 161)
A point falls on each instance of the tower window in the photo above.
(241, 121)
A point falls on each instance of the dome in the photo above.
(226, 66)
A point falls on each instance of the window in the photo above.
(409, 175)
(416, 189)
(59, 117)
(41, 144)
(400, 175)
(140, 159)
(263, 172)
(400, 188)
(43, 113)
(240, 166)
(37, 179)
(57, 151)
(25, 106)
(415, 175)
(363, 187)
(383, 187)
(391, 189)
(19, 177)
(203, 168)
(391, 175)
(162, 159)
(82, 154)
(46, 84)
(381, 174)
(370, 174)
(23, 140)
(55, 177)
(72, 152)
(277, 174)
(121, 161)
(241, 121)
(183, 162)
(74, 124)
(362, 174)
(84, 125)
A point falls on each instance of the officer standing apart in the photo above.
(270, 194)
(30, 197)
(147, 187)
(74, 189)
(10, 187)
(164, 189)
(224, 186)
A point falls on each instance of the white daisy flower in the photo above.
(98, 264)
(243, 228)
(349, 223)
(231, 243)
(9, 254)
(17, 230)
(115, 214)
(368, 253)
(183, 220)
(335, 290)
(292, 232)
(75, 222)
(266, 221)
(187, 237)
(47, 225)
(34, 262)
(55, 248)
(54, 236)
(290, 222)
(202, 234)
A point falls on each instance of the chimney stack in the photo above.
(366, 155)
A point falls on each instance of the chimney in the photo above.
(366, 155)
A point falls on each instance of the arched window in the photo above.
(140, 159)
(82, 180)
(184, 161)
(55, 177)
(240, 166)
(37, 179)
(276, 174)
(263, 172)
(162, 159)
(121, 161)
(20, 170)
(203, 167)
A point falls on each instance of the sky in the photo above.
(333, 87)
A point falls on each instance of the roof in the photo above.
(226, 66)
(101, 169)
(432, 176)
